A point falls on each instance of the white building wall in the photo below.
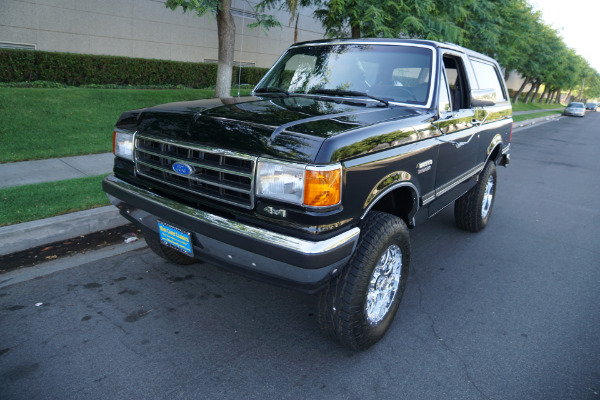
(142, 28)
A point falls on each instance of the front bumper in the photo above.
(575, 113)
(283, 259)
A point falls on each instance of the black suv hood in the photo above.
(292, 128)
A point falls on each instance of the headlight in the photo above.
(300, 184)
(280, 181)
(123, 144)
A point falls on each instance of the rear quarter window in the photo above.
(488, 78)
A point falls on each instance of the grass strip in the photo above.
(535, 106)
(519, 118)
(49, 123)
(31, 202)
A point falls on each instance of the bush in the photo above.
(35, 84)
(84, 69)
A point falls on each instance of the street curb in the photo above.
(528, 123)
(27, 235)
(50, 267)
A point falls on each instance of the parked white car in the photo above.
(576, 109)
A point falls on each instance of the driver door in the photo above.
(457, 156)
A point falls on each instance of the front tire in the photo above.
(473, 209)
(358, 306)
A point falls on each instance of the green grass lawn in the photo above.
(31, 202)
(536, 106)
(49, 123)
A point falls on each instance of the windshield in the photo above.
(393, 73)
(576, 105)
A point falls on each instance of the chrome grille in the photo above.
(218, 174)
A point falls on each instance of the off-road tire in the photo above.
(343, 314)
(469, 208)
(165, 252)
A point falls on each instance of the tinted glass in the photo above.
(444, 98)
(395, 73)
(488, 78)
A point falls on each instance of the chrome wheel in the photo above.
(384, 284)
(488, 197)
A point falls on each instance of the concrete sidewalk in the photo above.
(27, 235)
(54, 169)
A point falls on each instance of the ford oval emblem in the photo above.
(182, 168)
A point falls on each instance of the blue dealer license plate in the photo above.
(175, 238)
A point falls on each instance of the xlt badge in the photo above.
(424, 166)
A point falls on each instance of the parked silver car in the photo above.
(576, 109)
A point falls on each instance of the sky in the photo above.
(578, 22)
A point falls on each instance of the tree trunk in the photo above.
(558, 96)
(516, 98)
(296, 28)
(355, 30)
(568, 95)
(549, 96)
(534, 87)
(226, 33)
(537, 91)
(544, 94)
(551, 99)
(528, 96)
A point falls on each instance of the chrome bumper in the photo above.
(233, 244)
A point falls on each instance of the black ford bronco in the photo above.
(314, 181)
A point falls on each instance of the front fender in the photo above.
(388, 184)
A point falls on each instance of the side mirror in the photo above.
(483, 97)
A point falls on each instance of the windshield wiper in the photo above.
(272, 89)
(351, 93)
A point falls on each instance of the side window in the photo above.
(457, 82)
(444, 97)
(487, 77)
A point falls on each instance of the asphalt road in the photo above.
(510, 313)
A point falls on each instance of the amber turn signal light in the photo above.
(322, 188)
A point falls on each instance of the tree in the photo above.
(508, 30)
(226, 34)
(291, 6)
(364, 18)
(516, 19)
